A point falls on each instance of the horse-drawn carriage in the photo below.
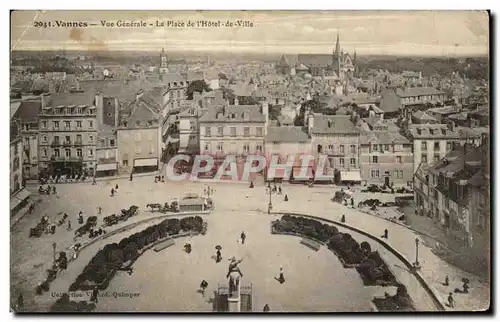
(157, 207)
(39, 228)
(91, 223)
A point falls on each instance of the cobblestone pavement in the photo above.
(30, 257)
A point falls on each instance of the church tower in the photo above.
(336, 58)
(163, 62)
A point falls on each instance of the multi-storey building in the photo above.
(386, 158)
(26, 118)
(337, 137)
(68, 134)
(175, 91)
(18, 194)
(455, 193)
(139, 138)
(431, 142)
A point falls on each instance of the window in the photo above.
(258, 148)
(78, 124)
(259, 131)
(207, 131)
(151, 149)
(68, 111)
(375, 173)
(56, 125)
(26, 141)
(58, 111)
(424, 158)
(79, 138)
(91, 152)
(44, 139)
(137, 123)
(398, 159)
(44, 124)
(111, 142)
(352, 149)
(448, 146)
(68, 153)
(220, 131)
(375, 147)
(56, 139)
(91, 138)
(399, 174)
(424, 146)
(443, 131)
(68, 138)
(374, 159)
(91, 124)
(138, 149)
(150, 136)
(79, 153)
(125, 163)
(233, 131)
(419, 131)
(431, 131)
(207, 147)
(219, 146)
(44, 152)
(57, 153)
(137, 137)
(67, 124)
(246, 131)
(341, 149)
(386, 147)
(353, 162)
(436, 158)
(341, 161)
(246, 147)
(192, 125)
(330, 147)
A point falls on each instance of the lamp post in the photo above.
(416, 264)
(54, 250)
(270, 205)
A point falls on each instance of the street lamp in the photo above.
(416, 265)
(54, 250)
(270, 205)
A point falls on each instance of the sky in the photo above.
(434, 33)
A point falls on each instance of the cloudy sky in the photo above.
(368, 32)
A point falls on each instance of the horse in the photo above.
(234, 282)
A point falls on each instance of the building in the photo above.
(386, 158)
(68, 134)
(455, 193)
(18, 195)
(396, 100)
(26, 118)
(163, 62)
(139, 143)
(175, 92)
(343, 64)
(431, 142)
(337, 137)
(233, 130)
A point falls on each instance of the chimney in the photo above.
(310, 122)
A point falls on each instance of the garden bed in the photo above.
(101, 269)
(401, 302)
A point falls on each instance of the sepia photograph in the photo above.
(266, 161)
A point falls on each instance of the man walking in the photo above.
(95, 293)
(451, 301)
(243, 237)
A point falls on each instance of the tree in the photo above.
(222, 76)
(197, 86)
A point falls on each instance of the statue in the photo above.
(234, 274)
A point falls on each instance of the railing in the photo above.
(78, 142)
(67, 143)
(54, 144)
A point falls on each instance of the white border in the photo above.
(213, 5)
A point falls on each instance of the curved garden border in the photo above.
(400, 256)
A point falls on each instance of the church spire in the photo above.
(337, 46)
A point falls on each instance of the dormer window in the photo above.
(191, 111)
(125, 123)
(137, 123)
(78, 111)
(431, 131)
(443, 131)
(419, 131)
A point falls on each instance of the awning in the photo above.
(22, 195)
(107, 167)
(14, 202)
(152, 162)
(350, 176)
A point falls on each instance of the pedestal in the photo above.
(234, 301)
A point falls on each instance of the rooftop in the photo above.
(333, 124)
(418, 91)
(286, 134)
(78, 99)
(28, 111)
(234, 113)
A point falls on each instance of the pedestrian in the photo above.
(286, 197)
(162, 178)
(94, 182)
(54, 189)
(243, 237)
(130, 271)
(352, 202)
(131, 177)
(69, 225)
(451, 301)
(266, 308)
(251, 184)
(95, 293)
(112, 192)
(279, 190)
(446, 280)
(99, 210)
(342, 219)
(203, 286)
(116, 187)
(386, 233)
(80, 218)
(282, 276)
(466, 287)
(218, 256)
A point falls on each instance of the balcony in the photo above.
(107, 160)
(67, 143)
(78, 143)
(55, 144)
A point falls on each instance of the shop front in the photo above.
(106, 170)
(145, 165)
